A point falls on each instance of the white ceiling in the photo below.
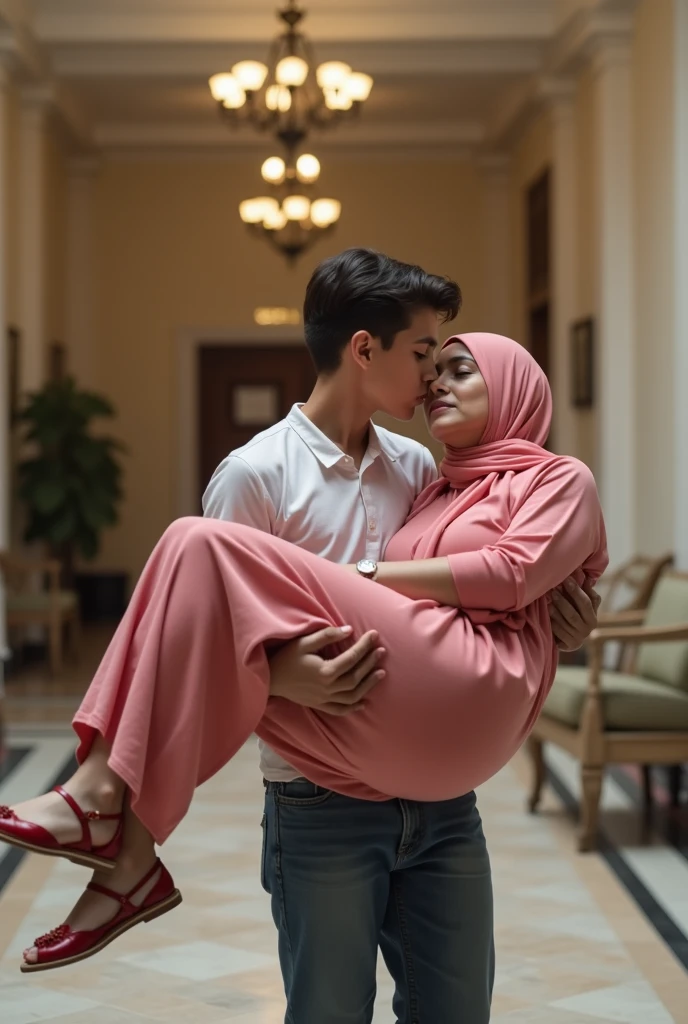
(127, 73)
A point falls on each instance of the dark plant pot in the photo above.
(102, 595)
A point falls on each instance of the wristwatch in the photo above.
(367, 567)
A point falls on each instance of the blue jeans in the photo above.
(347, 876)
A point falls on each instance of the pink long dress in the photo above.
(185, 680)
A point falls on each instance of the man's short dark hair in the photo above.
(364, 290)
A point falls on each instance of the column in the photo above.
(615, 363)
(564, 239)
(497, 252)
(4, 382)
(80, 322)
(681, 284)
(32, 240)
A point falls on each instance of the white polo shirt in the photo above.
(294, 482)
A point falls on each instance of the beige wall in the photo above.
(171, 252)
(587, 305)
(12, 169)
(654, 296)
(56, 225)
(55, 230)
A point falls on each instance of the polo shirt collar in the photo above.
(326, 451)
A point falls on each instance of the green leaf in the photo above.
(69, 483)
(48, 495)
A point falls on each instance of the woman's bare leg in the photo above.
(94, 786)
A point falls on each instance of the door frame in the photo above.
(189, 341)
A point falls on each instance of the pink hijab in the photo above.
(519, 419)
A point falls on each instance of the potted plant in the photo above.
(70, 483)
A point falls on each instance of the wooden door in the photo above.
(538, 224)
(244, 389)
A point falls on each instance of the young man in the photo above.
(347, 876)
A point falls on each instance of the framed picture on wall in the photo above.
(13, 341)
(582, 363)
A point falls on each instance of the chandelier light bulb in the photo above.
(291, 71)
(254, 211)
(233, 96)
(222, 86)
(250, 74)
(338, 99)
(278, 97)
(333, 74)
(308, 168)
(358, 86)
(325, 212)
(273, 170)
(296, 207)
(275, 220)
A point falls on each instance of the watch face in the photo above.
(365, 566)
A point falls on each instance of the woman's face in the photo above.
(457, 405)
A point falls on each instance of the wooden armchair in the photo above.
(613, 717)
(629, 588)
(50, 607)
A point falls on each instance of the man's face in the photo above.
(396, 380)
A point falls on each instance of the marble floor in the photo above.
(596, 938)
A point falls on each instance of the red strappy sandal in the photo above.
(27, 836)
(62, 946)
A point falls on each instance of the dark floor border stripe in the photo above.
(665, 926)
(670, 823)
(13, 858)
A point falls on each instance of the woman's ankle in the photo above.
(103, 795)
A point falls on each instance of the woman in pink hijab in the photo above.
(460, 604)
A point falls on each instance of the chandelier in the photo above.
(291, 95)
(291, 217)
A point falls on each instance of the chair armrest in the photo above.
(639, 635)
(27, 566)
(608, 620)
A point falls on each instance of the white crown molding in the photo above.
(525, 103)
(594, 35)
(165, 22)
(29, 67)
(589, 31)
(406, 136)
(194, 60)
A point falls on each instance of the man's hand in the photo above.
(573, 614)
(336, 685)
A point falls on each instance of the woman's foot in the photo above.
(68, 822)
(114, 902)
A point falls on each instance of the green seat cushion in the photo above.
(667, 663)
(628, 702)
(40, 602)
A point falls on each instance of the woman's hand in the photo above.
(573, 613)
(336, 686)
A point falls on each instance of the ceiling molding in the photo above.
(603, 26)
(588, 32)
(400, 136)
(441, 57)
(29, 68)
(118, 22)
